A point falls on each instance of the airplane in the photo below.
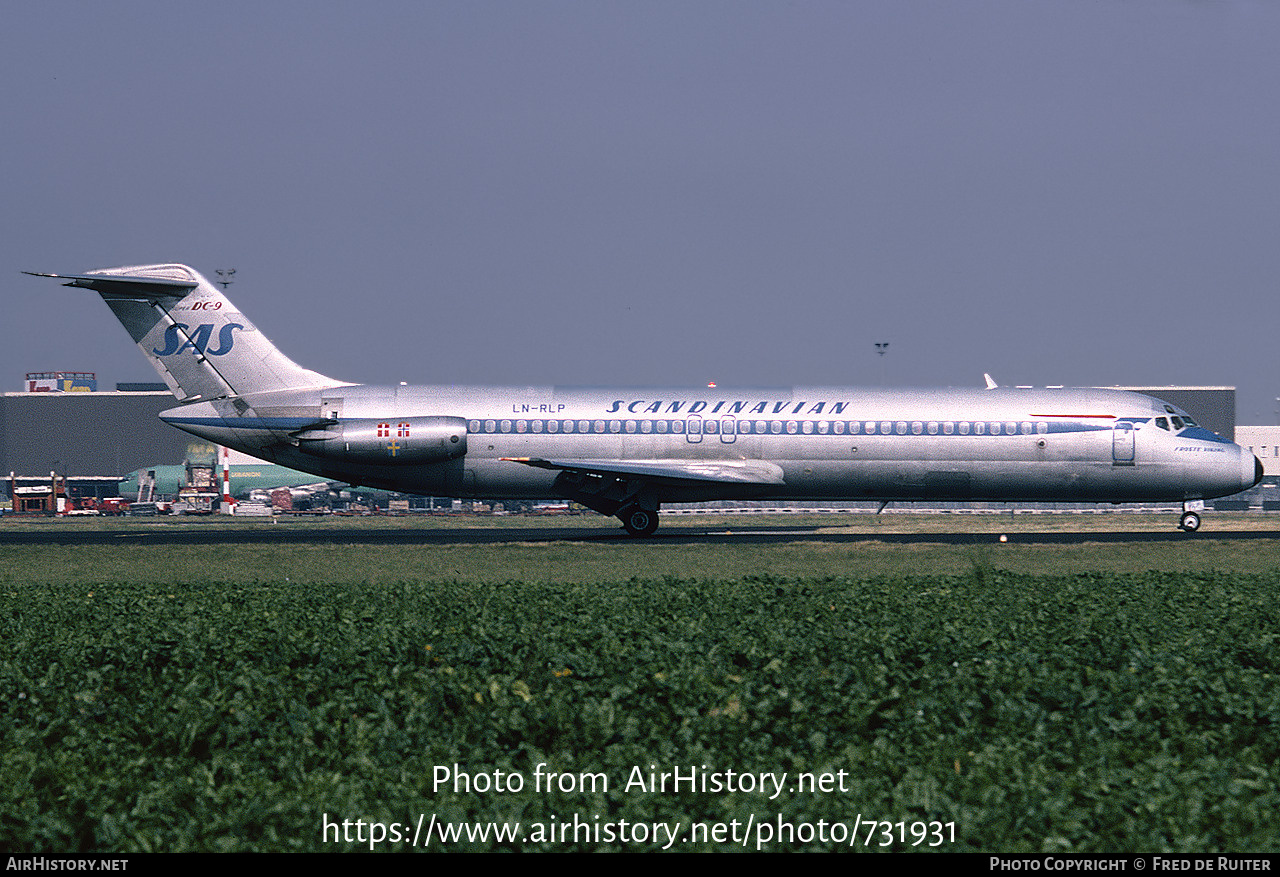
(625, 452)
(168, 479)
(203, 463)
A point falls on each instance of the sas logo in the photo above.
(198, 340)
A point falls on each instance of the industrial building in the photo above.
(92, 439)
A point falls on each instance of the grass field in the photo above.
(1012, 697)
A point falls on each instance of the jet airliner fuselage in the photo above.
(625, 452)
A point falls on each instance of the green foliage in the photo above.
(1092, 712)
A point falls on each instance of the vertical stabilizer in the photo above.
(194, 337)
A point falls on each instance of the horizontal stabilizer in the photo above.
(119, 286)
(705, 471)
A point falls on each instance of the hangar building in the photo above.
(86, 434)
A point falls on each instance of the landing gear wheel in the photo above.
(1190, 522)
(639, 521)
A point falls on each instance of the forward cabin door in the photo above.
(1122, 435)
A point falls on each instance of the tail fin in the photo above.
(193, 336)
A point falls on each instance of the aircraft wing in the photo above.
(668, 471)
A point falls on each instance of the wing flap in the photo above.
(670, 471)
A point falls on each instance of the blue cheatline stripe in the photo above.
(269, 423)
(287, 424)
(747, 426)
(1204, 435)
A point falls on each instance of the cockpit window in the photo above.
(1177, 423)
(1189, 422)
(1162, 422)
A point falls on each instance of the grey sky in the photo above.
(662, 193)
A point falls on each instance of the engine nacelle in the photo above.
(389, 440)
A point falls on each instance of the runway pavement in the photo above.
(203, 534)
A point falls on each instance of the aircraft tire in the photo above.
(639, 521)
(1190, 522)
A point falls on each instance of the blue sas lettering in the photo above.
(198, 340)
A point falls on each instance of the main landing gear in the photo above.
(639, 521)
(1191, 510)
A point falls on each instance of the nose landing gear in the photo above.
(1191, 510)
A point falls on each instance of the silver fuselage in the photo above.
(856, 443)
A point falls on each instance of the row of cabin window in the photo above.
(763, 427)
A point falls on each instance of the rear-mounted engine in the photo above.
(388, 440)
